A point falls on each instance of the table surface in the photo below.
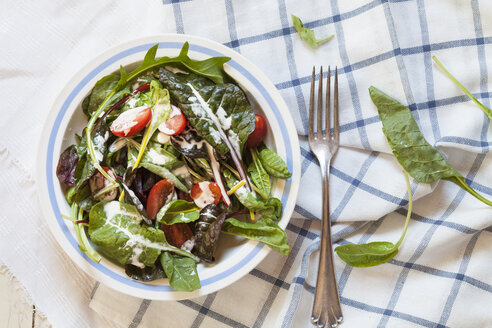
(16, 309)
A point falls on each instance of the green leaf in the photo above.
(227, 102)
(264, 230)
(115, 228)
(181, 272)
(247, 198)
(485, 109)
(163, 170)
(422, 161)
(178, 211)
(378, 252)
(259, 176)
(307, 35)
(212, 68)
(274, 164)
(367, 255)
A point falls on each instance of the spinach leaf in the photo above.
(422, 161)
(146, 273)
(260, 177)
(178, 211)
(115, 228)
(207, 231)
(375, 253)
(264, 230)
(67, 164)
(367, 255)
(181, 272)
(149, 163)
(307, 35)
(101, 90)
(247, 198)
(485, 109)
(223, 103)
(274, 164)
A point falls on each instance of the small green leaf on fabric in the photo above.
(307, 35)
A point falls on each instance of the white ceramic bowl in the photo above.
(235, 256)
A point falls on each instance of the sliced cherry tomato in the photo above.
(160, 194)
(205, 193)
(131, 122)
(175, 124)
(177, 234)
(258, 134)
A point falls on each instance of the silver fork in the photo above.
(326, 306)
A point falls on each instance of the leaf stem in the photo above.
(485, 109)
(409, 211)
(462, 183)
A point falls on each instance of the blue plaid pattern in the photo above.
(389, 44)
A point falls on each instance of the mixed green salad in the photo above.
(172, 157)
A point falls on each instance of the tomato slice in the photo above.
(175, 124)
(177, 234)
(131, 122)
(205, 193)
(258, 134)
(160, 194)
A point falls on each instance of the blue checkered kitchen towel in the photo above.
(440, 278)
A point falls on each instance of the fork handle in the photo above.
(326, 294)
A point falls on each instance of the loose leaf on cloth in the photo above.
(264, 230)
(115, 228)
(378, 252)
(484, 108)
(422, 161)
(307, 35)
(181, 272)
(227, 103)
(178, 211)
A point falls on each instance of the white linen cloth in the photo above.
(440, 276)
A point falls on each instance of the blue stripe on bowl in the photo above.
(63, 111)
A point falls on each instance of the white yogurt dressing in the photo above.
(225, 122)
(163, 138)
(158, 158)
(118, 144)
(181, 172)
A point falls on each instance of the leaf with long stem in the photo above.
(378, 252)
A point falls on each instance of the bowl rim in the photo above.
(64, 106)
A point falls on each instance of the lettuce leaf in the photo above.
(226, 101)
(264, 230)
(115, 228)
